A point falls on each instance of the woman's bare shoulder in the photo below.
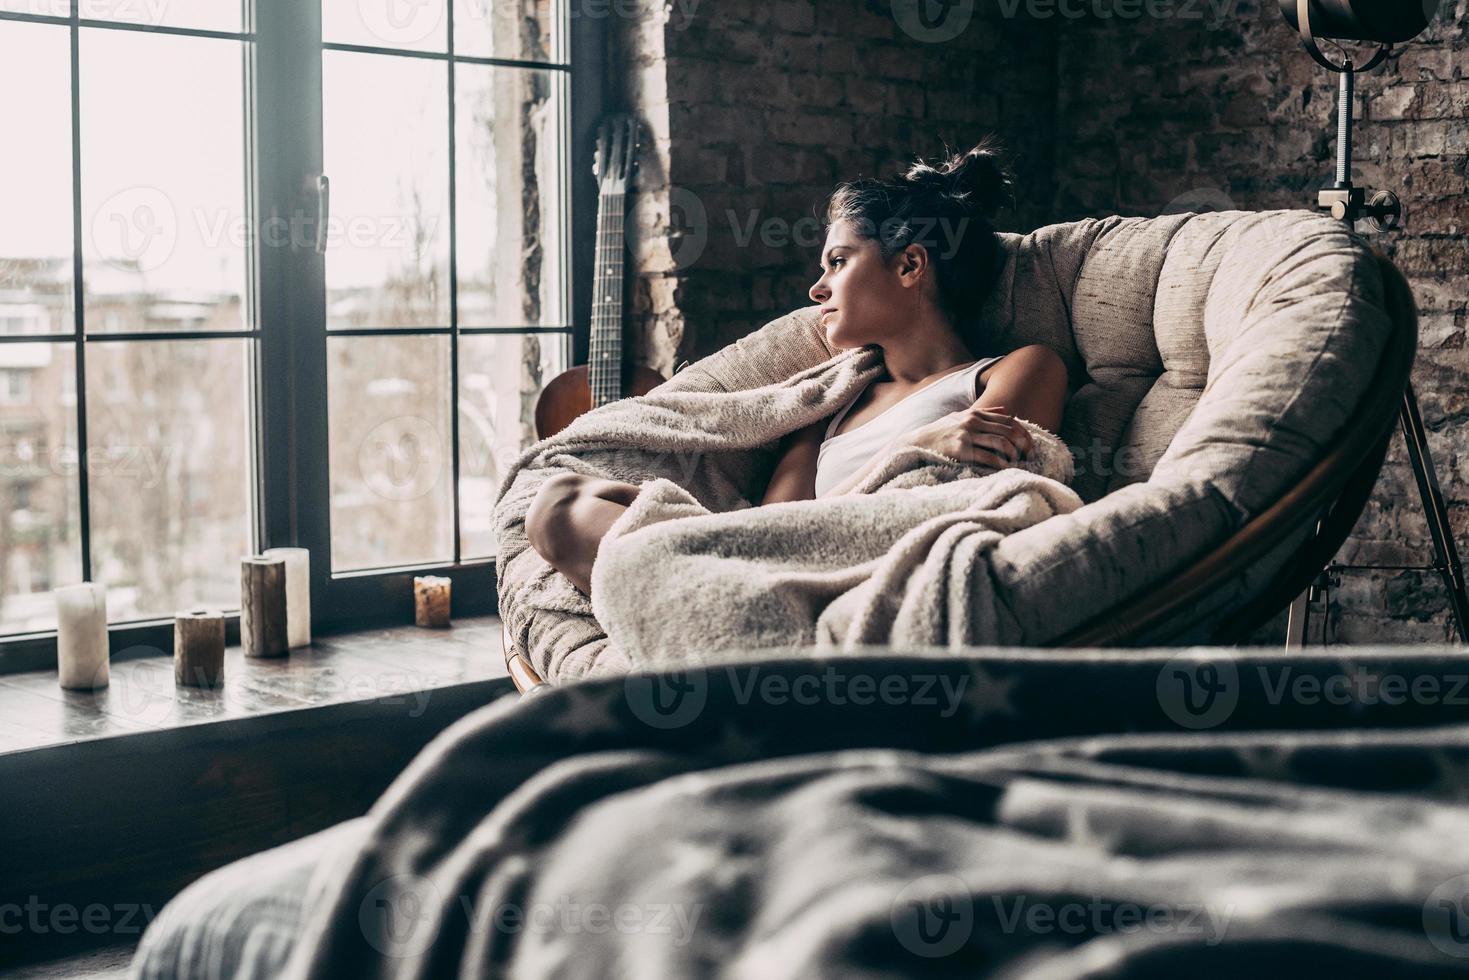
(1032, 360)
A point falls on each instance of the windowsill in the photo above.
(395, 667)
(123, 796)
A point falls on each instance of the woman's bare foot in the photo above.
(568, 519)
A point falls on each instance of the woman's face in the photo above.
(864, 299)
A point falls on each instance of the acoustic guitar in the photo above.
(604, 378)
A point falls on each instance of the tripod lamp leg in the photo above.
(1445, 552)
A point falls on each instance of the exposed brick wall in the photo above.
(1235, 113)
(758, 109)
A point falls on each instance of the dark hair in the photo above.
(947, 207)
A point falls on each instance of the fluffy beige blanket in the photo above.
(693, 567)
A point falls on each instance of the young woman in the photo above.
(905, 264)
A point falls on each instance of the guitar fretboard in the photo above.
(604, 366)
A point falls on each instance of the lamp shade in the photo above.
(1385, 21)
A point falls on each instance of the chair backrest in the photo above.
(1319, 512)
(1226, 345)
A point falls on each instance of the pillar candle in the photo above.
(431, 600)
(81, 636)
(198, 648)
(298, 594)
(263, 606)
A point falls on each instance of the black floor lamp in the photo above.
(1384, 23)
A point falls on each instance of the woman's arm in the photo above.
(1031, 383)
(795, 475)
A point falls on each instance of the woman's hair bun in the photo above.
(979, 178)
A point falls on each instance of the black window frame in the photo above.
(286, 314)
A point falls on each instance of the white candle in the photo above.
(81, 636)
(298, 594)
(431, 600)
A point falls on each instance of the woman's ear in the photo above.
(912, 262)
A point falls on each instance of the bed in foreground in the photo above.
(1004, 812)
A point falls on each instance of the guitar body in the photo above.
(604, 378)
(570, 394)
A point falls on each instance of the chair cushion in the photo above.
(1261, 337)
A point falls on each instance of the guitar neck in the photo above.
(604, 366)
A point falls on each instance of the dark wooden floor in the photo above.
(378, 665)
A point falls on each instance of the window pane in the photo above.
(509, 149)
(518, 29)
(410, 25)
(167, 436)
(46, 8)
(500, 377)
(204, 15)
(163, 209)
(386, 144)
(40, 541)
(35, 179)
(391, 471)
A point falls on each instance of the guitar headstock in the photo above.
(618, 140)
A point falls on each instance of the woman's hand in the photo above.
(990, 436)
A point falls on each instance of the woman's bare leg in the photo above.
(568, 519)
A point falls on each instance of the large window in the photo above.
(272, 274)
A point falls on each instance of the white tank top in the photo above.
(842, 455)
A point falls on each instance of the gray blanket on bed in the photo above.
(694, 567)
(1012, 814)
